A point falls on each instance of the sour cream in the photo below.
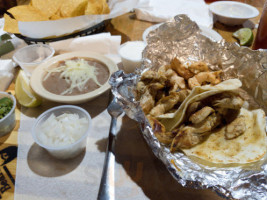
(131, 55)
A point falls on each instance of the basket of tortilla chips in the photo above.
(58, 18)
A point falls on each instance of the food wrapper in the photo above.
(61, 27)
(181, 38)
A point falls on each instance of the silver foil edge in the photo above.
(236, 62)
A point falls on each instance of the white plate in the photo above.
(233, 13)
(211, 34)
(39, 72)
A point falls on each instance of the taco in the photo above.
(248, 147)
(212, 124)
(172, 120)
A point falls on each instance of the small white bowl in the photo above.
(131, 55)
(233, 13)
(29, 57)
(8, 122)
(66, 151)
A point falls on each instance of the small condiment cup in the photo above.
(131, 55)
(8, 122)
(29, 57)
(70, 150)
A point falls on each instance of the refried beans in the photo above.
(57, 85)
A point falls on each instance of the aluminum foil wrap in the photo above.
(181, 38)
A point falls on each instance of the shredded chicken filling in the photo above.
(163, 91)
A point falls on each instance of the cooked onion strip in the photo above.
(76, 73)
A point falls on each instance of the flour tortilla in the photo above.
(247, 148)
(173, 120)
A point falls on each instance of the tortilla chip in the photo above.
(55, 17)
(50, 7)
(11, 25)
(73, 8)
(27, 13)
(94, 7)
(106, 9)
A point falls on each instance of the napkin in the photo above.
(6, 64)
(6, 73)
(103, 43)
(139, 175)
(41, 177)
(163, 10)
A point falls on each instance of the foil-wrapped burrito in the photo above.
(231, 175)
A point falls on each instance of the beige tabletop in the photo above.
(137, 167)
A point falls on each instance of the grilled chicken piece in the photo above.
(235, 128)
(204, 78)
(147, 100)
(141, 89)
(193, 107)
(197, 67)
(160, 132)
(163, 69)
(231, 101)
(176, 82)
(181, 69)
(190, 136)
(187, 138)
(152, 76)
(167, 103)
(200, 115)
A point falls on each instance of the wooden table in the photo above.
(130, 29)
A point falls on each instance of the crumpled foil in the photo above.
(181, 38)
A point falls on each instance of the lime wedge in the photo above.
(245, 36)
(24, 93)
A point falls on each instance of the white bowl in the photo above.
(233, 13)
(39, 73)
(66, 151)
(8, 122)
(29, 57)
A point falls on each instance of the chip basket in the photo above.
(91, 30)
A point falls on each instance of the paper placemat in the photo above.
(139, 175)
(40, 176)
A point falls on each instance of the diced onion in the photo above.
(62, 130)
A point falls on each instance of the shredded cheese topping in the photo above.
(76, 73)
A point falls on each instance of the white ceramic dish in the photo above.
(39, 72)
(8, 122)
(211, 34)
(66, 151)
(233, 13)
